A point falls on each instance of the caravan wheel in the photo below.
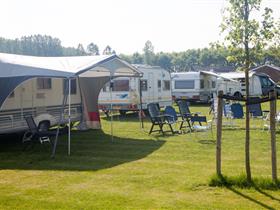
(122, 112)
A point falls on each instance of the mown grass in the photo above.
(135, 170)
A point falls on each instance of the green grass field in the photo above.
(135, 170)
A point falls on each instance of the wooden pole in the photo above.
(247, 65)
(219, 133)
(273, 135)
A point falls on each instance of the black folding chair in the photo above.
(186, 114)
(158, 119)
(34, 134)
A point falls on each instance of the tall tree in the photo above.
(108, 51)
(247, 37)
(81, 50)
(137, 58)
(149, 53)
(93, 49)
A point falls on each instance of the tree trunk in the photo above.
(219, 134)
(273, 136)
(247, 65)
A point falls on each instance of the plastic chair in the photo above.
(237, 111)
(171, 115)
(34, 134)
(185, 114)
(157, 118)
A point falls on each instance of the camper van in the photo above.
(125, 95)
(259, 84)
(42, 98)
(199, 86)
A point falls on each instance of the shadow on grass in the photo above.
(91, 150)
(250, 198)
(231, 183)
(129, 117)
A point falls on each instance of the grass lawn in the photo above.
(135, 170)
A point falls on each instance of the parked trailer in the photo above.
(42, 98)
(155, 88)
(199, 86)
(260, 84)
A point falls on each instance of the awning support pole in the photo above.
(60, 119)
(111, 98)
(69, 117)
(141, 104)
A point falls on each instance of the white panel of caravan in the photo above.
(41, 98)
(193, 86)
(155, 88)
(199, 86)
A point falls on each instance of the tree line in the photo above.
(216, 55)
(43, 45)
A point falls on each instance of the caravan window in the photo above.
(73, 87)
(144, 85)
(44, 83)
(166, 85)
(201, 83)
(121, 85)
(159, 85)
(213, 84)
(184, 84)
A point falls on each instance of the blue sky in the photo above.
(125, 25)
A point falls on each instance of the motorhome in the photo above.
(199, 86)
(259, 83)
(125, 95)
(42, 98)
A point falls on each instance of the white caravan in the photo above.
(259, 84)
(42, 98)
(199, 86)
(155, 88)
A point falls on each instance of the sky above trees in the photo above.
(125, 25)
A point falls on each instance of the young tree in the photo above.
(93, 49)
(247, 37)
(81, 49)
(108, 51)
(149, 53)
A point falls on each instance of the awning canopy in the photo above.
(15, 69)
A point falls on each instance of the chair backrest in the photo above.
(170, 113)
(183, 108)
(31, 124)
(153, 111)
(256, 110)
(237, 110)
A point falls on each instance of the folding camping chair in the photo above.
(34, 134)
(256, 112)
(185, 114)
(171, 116)
(158, 119)
(237, 111)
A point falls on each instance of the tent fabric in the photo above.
(90, 88)
(94, 72)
